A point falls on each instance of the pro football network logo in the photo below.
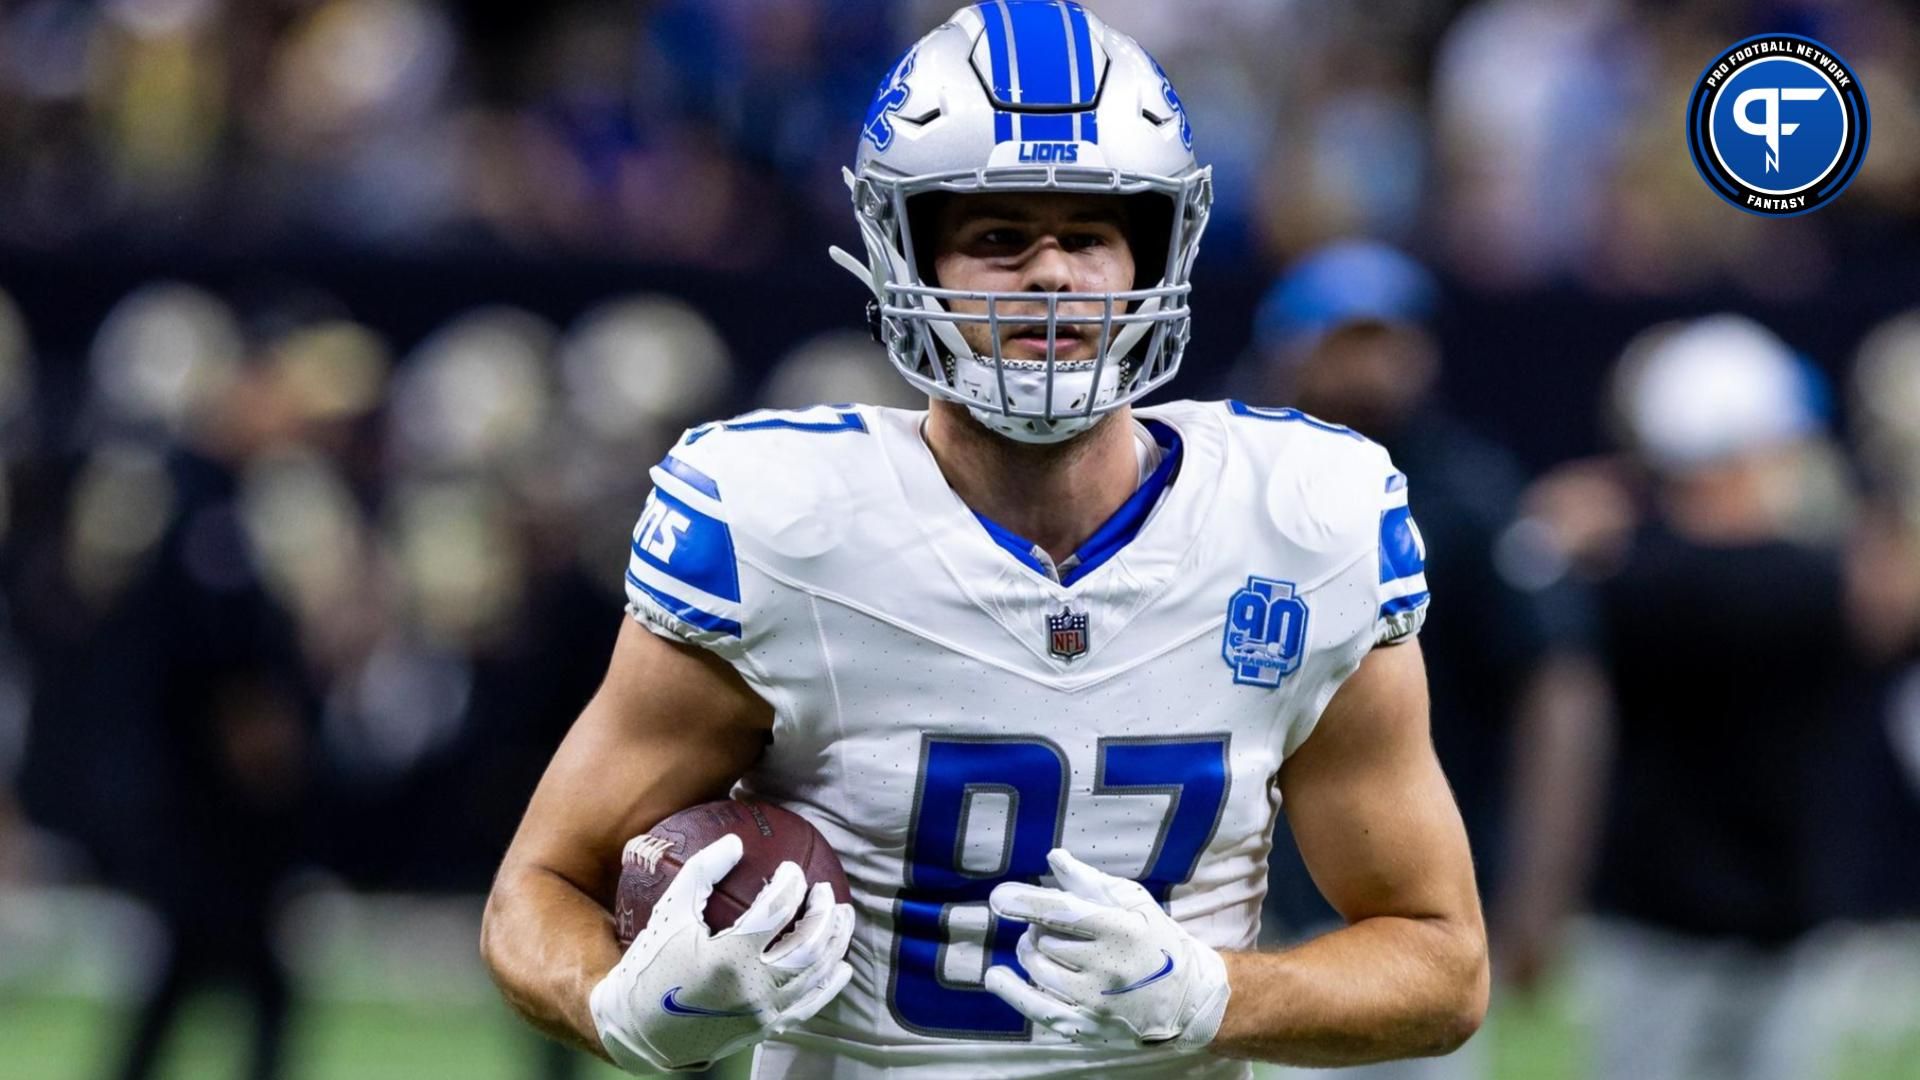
(1067, 634)
(1778, 125)
(1266, 632)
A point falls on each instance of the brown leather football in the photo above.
(769, 836)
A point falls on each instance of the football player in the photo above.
(1040, 666)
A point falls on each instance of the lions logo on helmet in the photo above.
(1173, 102)
(1030, 96)
(878, 129)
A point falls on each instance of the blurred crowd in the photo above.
(283, 585)
(1522, 141)
(1674, 688)
(277, 599)
(382, 521)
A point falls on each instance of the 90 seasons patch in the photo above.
(1266, 632)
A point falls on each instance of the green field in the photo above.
(393, 992)
(51, 1038)
(72, 1039)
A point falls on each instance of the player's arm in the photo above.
(1377, 827)
(1374, 819)
(671, 726)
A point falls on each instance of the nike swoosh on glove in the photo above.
(1109, 966)
(683, 996)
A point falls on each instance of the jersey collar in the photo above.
(1140, 552)
(1112, 535)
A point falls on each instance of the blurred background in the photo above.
(336, 338)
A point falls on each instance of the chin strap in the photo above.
(1130, 334)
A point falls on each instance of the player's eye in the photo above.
(1082, 241)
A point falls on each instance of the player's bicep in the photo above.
(1370, 809)
(671, 726)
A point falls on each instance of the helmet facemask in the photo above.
(1141, 333)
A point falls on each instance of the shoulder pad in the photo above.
(1331, 490)
(1323, 483)
(790, 477)
(769, 486)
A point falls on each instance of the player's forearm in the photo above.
(547, 944)
(1380, 989)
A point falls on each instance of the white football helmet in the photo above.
(1029, 95)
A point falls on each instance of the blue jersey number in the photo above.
(1193, 772)
(1030, 776)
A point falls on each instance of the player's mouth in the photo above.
(1029, 342)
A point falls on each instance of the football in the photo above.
(768, 835)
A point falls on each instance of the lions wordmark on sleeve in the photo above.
(949, 707)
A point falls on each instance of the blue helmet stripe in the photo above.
(1040, 51)
(1053, 127)
(994, 14)
(1083, 67)
(1062, 62)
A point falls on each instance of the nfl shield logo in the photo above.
(1067, 634)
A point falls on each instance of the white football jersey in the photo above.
(949, 706)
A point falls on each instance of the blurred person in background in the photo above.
(506, 444)
(1885, 397)
(444, 585)
(175, 693)
(305, 501)
(1520, 170)
(94, 505)
(511, 445)
(1736, 617)
(17, 439)
(1343, 336)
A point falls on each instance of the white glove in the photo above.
(684, 996)
(1109, 967)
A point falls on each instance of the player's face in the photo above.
(1037, 242)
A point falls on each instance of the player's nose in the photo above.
(1049, 269)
